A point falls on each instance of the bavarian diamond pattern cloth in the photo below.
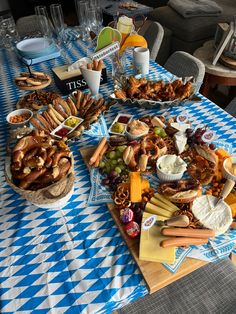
(72, 259)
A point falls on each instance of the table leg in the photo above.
(205, 85)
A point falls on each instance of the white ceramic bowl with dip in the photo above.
(19, 112)
(170, 168)
(136, 129)
(227, 171)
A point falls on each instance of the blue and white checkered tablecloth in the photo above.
(71, 259)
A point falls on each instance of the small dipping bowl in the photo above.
(133, 137)
(19, 118)
(168, 176)
(226, 171)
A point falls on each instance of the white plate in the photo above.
(32, 45)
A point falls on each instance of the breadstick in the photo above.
(101, 155)
(89, 66)
(97, 151)
(95, 65)
(83, 103)
(100, 65)
(78, 99)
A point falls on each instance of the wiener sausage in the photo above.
(49, 119)
(78, 99)
(38, 125)
(72, 106)
(184, 232)
(97, 151)
(44, 122)
(56, 113)
(181, 241)
(53, 116)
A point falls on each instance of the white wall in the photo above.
(4, 5)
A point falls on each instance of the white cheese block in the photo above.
(180, 141)
(180, 126)
(217, 218)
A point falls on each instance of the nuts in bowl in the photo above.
(19, 117)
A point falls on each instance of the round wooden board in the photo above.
(32, 88)
(228, 62)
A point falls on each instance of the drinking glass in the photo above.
(43, 20)
(57, 17)
(81, 9)
(8, 32)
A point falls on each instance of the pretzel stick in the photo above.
(100, 65)
(97, 151)
(101, 155)
(95, 65)
(78, 99)
(89, 66)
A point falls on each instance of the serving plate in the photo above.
(150, 104)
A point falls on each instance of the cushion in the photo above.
(196, 28)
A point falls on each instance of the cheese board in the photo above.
(154, 273)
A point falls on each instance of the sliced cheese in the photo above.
(150, 249)
(217, 218)
(155, 201)
(145, 184)
(135, 187)
(165, 201)
(153, 209)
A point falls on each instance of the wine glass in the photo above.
(8, 32)
(44, 22)
(81, 9)
(62, 37)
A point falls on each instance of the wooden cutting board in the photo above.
(155, 275)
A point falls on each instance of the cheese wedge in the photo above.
(165, 201)
(150, 249)
(135, 187)
(153, 209)
(217, 218)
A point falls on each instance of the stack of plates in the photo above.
(32, 48)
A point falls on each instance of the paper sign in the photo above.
(107, 51)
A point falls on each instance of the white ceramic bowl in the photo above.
(225, 171)
(19, 112)
(34, 47)
(167, 176)
(132, 137)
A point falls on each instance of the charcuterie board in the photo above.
(155, 274)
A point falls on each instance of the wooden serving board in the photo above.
(155, 274)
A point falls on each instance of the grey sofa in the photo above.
(189, 34)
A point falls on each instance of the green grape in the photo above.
(112, 155)
(157, 131)
(118, 170)
(121, 148)
(163, 133)
(118, 154)
(114, 162)
(102, 164)
(121, 166)
(108, 168)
